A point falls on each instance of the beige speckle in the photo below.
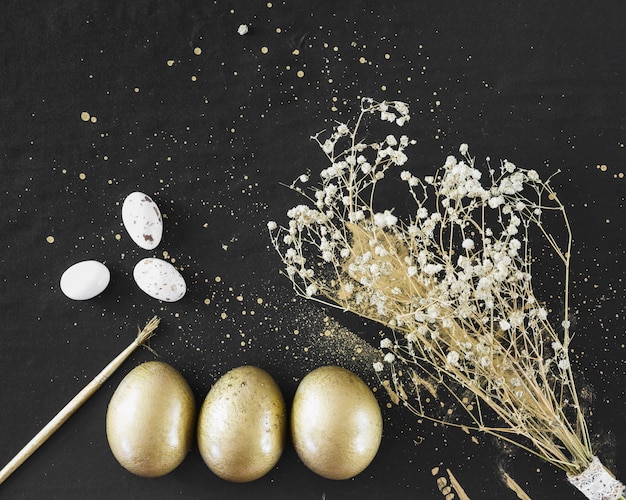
(170, 62)
(84, 116)
(50, 239)
(93, 119)
(300, 74)
(264, 50)
(82, 176)
(295, 52)
(197, 51)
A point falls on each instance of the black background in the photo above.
(211, 137)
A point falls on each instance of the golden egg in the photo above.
(336, 423)
(242, 425)
(151, 419)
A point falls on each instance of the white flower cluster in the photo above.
(455, 279)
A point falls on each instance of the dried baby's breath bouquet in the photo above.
(453, 282)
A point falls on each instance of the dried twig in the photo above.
(51, 427)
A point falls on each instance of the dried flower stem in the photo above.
(453, 283)
(60, 418)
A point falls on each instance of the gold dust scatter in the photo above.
(259, 300)
(383, 87)
(279, 30)
(118, 237)
(240, 298)
(362, 60)
(387, 56)
(93, 119)
(300, 74)
(207, 301)
(269, 5)
(136, 90)
(264, 50)
(82, 176)
(223, 315)
(105, 157)
(50, 239)
(166, 254)
(336, 49)
(194, 78)
(170, 62)
(197, 51)
(434, 471)
(84, 116)
(242, 343)
(603, 168)
(218, 279)
(295, 52)
(64, 171)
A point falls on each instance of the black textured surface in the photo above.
(210, 136)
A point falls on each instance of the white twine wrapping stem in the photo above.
(596, 483)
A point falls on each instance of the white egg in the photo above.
(84, 280)
(142, 219)
(159, 279)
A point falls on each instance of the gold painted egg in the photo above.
(242, 425)
(150, 420)
(336, 423)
